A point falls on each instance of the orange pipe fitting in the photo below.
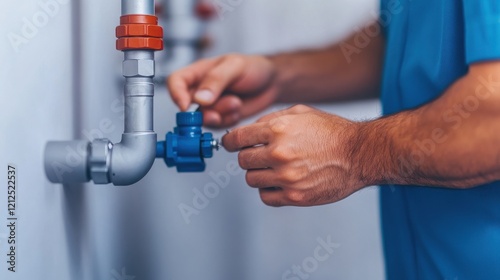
(137, 19)
(139, 32)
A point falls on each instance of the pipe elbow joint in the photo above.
(132, 158)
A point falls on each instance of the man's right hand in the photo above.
(228, 88)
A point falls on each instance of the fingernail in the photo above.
(193, 108)
(204, 96)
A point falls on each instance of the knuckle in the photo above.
(236, 59)
(214, 77)
(291, 176)
(238, 137)
(300, 108)
(296, 197)
(253, 181)
(279, 124)
(279, 154)
(264, 137)
(243, 160)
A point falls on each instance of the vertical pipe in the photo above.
(138, 7)
(132, 158)
(139, 92)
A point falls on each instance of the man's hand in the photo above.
(228, 88)
(299, 156)
(232, 87)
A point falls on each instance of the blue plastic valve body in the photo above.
(187, 147)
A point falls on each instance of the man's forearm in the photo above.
(331, 74)
(451, 142)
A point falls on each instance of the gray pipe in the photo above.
(67, 161)
(138, 7)
(130, 160)
(133, 157)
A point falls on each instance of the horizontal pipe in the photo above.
(67, 161)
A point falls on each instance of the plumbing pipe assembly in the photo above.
(127, 162)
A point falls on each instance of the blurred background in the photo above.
(60, 79)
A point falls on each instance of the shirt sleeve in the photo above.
(482, 30)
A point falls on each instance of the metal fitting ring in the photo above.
(100, 161)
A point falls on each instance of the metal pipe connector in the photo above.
(127, 162)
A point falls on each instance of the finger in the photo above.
(274, 197)
(216, 121)
(211, 118)
(223, 111)
(228, 71)
(255, 158)
(229, 107)
(247, 136)
(230, 120)
(180, 83)
(228, 104)
(263, 178)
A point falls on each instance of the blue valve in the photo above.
(187, 147)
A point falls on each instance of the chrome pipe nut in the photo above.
(100, 161)
(138, 68)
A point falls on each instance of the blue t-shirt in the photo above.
(437, 233)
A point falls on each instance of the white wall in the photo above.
(94, 232)
(36, 105)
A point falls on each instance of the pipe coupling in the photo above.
(100, 161)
